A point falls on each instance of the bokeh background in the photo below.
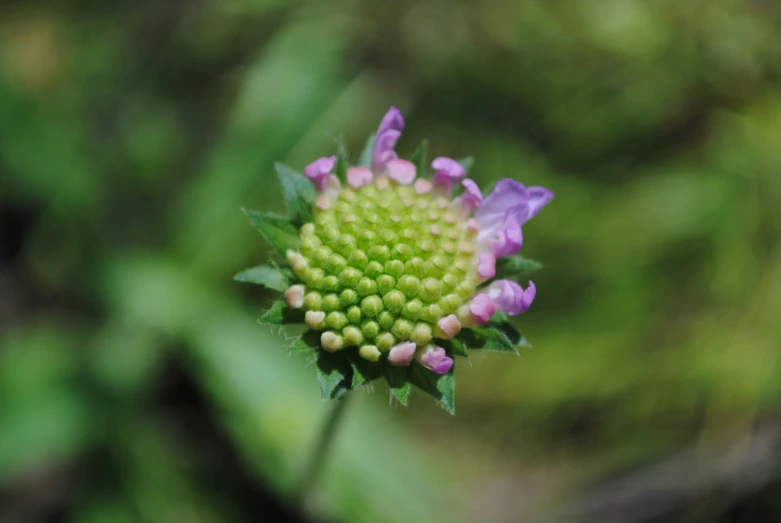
(136, 386)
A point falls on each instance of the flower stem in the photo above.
(317, 460)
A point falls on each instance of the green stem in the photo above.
(316, 462)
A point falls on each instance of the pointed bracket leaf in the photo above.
(397, 378)
(487, 338)
(281, 314)
(299, 193)
(332, 374)
(275, 278)
(365, 159)
(442, 387)
(515, 267)
(310, 340)
(277, 230)
(419, 158)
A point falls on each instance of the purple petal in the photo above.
(472, 197)
(387, 135)
(486, 265)
(510, 297)
(482, 308)
(447, 172)
(538, 198)
(319, 170)
(392, 120)
(434, 358)
(359, 176)
(509, 239)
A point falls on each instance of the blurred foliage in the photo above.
(134, 383)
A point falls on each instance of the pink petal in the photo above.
(401, 171)
(401, 354)
(359, 176)
(486, 265)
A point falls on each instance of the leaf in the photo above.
(299, 193)
(332, 370)
(342, 163)
(365, 159)
(419, 157)
(487, 338)
(363, 370)
(280, 314)
(457, 347)
(467, 163)
(515, 337)
(397, 378)
(441, 386)
(277, 230)
(310, 340)
(272, 277)
(515, 267)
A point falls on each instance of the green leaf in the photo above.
(419, 158)
(398, 382)
(515, 267)
(332, 370)
(442, 387)
(365, 159)
(272, 277)
(299, 193)
(457, 347)
(467, 163)
(487, 338)
(342, 163)
(363, 370)
(310, 340)
(280, 314)
(277, 230)
(515, 337)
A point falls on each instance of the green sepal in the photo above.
(456, 346)
(281, 314)
(363, 371)
(332, 373)
(515, 267)
(419, 158)
(487, 337)
(467, 163)
(310, 340)
(365, 160)
(398, 381)
(440, 386)
(299, 193)
(277, 230)
(275, 278)
(516, 338)
(342, 162)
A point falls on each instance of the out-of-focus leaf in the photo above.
(467, 163)
(272, 277)
(419, 158)
(441, 386)
(366, 155)
(397, 378)
(277, 230)
(332, 371)
(281, 314)
(342, 163)
(515, 267)
(299, 193)
(487, 338)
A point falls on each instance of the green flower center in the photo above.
(382, 264)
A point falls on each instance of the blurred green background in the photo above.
(135, 385)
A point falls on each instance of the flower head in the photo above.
(392, 275)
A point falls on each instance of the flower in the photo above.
(390, 271)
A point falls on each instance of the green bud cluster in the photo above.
(381, 265)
